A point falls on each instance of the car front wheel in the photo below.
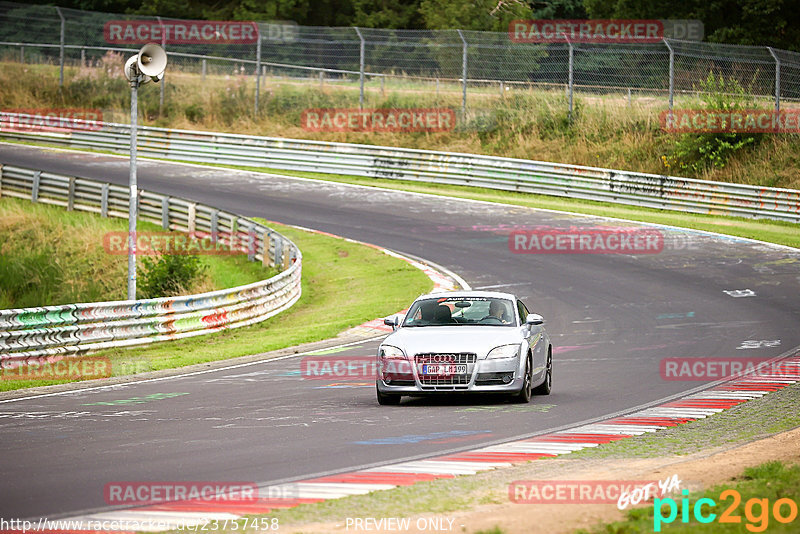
(524, 394)
(547, 385)
(386, 399)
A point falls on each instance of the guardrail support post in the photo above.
(71, 194)
(361, 71)
(671, 76)
(287, 255)
(1, 180)
(61, 49)
(191, 219)
(251, 244)
(214, 225)
(258, 70)
(104, 201)
(278, 252)
(463, 73)
(777, 80)
(37, 176)
(165, 213)
(265, 241)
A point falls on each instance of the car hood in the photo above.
(477, 339)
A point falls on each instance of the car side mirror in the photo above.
(534, 319)
(393, 321)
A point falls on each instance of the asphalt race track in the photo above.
(612, 318)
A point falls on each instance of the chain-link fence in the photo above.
(475, 64)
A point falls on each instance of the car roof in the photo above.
(451, 294)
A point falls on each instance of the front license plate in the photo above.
(444, 369)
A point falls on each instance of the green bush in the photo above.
(168, 275)
(697, 152)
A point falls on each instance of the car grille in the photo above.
(447, 358)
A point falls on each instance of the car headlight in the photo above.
(503, 351)
(388, 351)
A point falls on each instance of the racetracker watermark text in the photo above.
(704, 369)
(181, 244)
(140, 493)
(586, 31)
(378, 120)
(180, 32)
(82, 368)
(51, 119)
(730, 121)
(577, 240)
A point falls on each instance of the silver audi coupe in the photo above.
(465, 341)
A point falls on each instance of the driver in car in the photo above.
(498, 311)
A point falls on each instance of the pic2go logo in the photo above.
(756, 511)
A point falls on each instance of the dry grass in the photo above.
(523, 122)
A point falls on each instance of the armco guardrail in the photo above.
(589, 183)
(46, 332)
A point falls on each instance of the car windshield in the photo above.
(452, 311)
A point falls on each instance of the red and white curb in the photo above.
(690, 408)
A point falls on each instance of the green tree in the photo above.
(486, 15)
(388, 14)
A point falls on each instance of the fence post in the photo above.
(671, 76)
(777, 80)
(361, 70)
(321, 78)
(61, 50)
(258, 70)
(83, 57)
(463, 72)
(204, 69)
(570, 76)
(22, 54)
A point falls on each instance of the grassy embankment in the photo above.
(523, 122)
(53, 256)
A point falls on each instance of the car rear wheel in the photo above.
(547, 385)
(524, 395)
(386, 399)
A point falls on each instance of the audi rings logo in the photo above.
(441, 358)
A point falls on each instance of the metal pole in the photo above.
(463, 72)
(361, 71)
(258, 70)
(61, 50)
(777, 80)
(163, 81)
(571, 70)
(671, 76)
(22, 54)
(204, 69)
(133, 201)
(83, 57)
